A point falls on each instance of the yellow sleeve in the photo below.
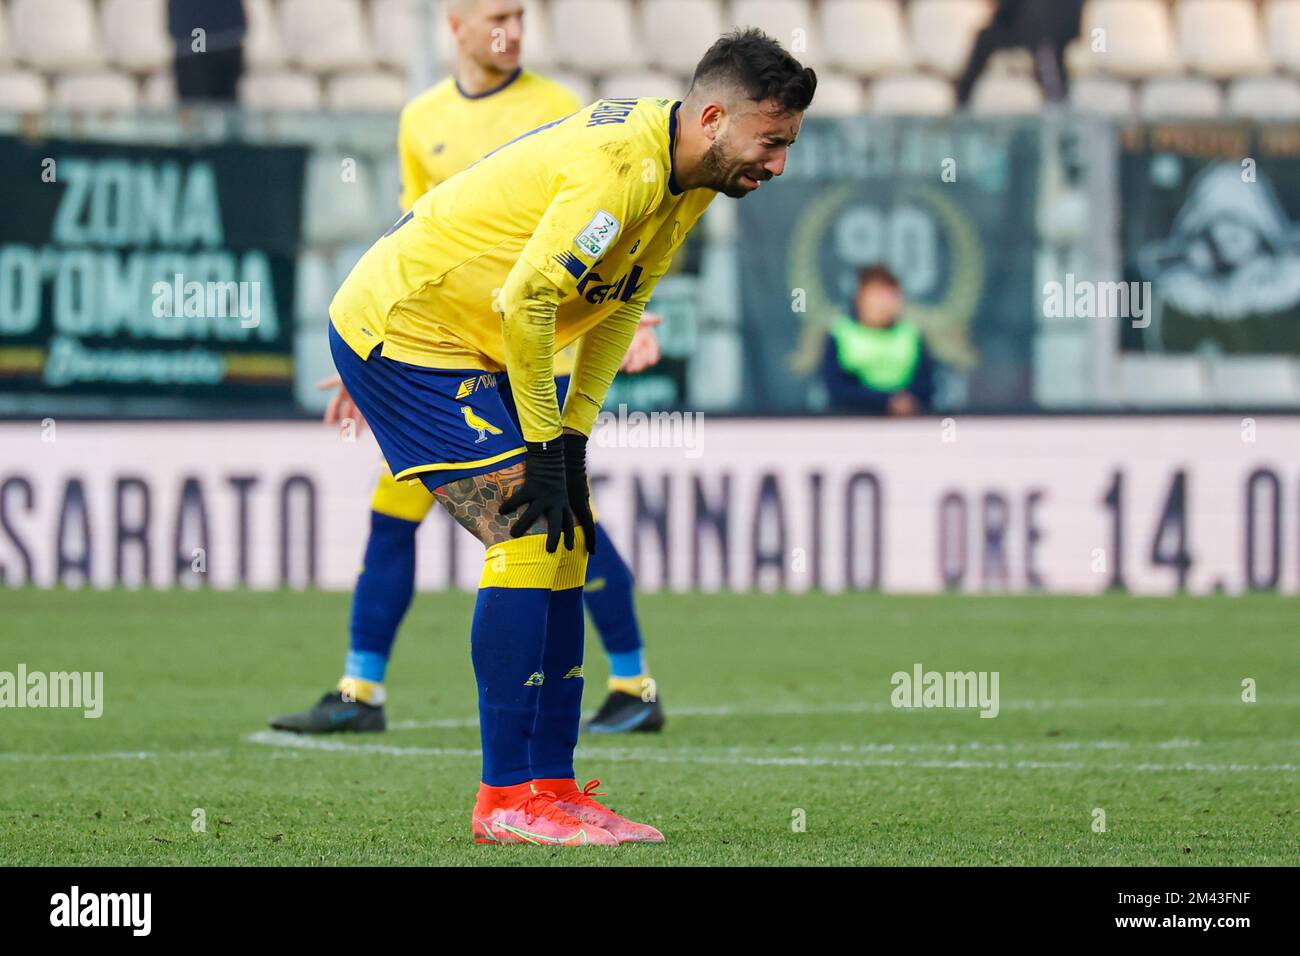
(594, 199)
(415, 182)
(600, 353)
(528, 304)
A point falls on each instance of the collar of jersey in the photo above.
(496, 89)
(672, 140)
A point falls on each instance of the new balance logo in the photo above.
(574, 672)
(478, 382)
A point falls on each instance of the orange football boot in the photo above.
(525, 814)
(584, 805)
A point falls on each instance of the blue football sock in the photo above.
(609, 599)
(560, 711)
(507, 643)
(382, 596)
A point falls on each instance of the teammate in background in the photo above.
(489, 100)
(560, 236)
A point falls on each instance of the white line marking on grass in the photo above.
(878, 707)
(733, 757)
(115, 755)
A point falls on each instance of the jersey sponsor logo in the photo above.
(572, 264)
(479, 424)
(595, 289)
(598, 235)
(477, 383)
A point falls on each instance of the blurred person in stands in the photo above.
(209, 38)
(877, 363)
(1043, 27)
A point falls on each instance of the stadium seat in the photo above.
(677, 32)
(56, 35)
(1254, 381)
(1006, 95)
(1180, 98)
(371, 90)
(912, 94)
(1150, 381)
(335, 209)
(159, 91)
(641, 83)
(1265, 98)
(396, 29)
(6, 44)
(595, 36)
(788, 21)
(279, 90)
(95, 92)
(943, 31)
(582, 86)
(839, 94)
(864, 37)
(136, 34)
(1221, 38)
(325, 36)
(1129, 37)
(1282, 27)
(22, 91)
(263, 48)
(1107, 96)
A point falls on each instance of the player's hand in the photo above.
(644, 350)
(575, 480)
(341, 408)
(543, 495)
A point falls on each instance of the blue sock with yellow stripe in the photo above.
(383, 594)
(609, 599)
(559, 714)
(509, 649)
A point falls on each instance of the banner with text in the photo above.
(1083, 506)
(146, 279)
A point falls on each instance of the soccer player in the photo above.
(488, 100)
(559, 236)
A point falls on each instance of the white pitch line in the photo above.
(115, 755)
(733, 757)
(875, 707)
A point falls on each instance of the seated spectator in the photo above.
(877, 363)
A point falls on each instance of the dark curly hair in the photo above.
(752, 61)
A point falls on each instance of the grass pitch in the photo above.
(778, 712)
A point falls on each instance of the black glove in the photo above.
(575, 479)
(544, 493)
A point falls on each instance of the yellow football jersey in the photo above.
(443, 130)
(589, 201)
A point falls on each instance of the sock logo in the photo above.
(535, 679)
(574, 672)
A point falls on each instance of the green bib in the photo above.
(883, 359)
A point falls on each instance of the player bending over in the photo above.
(556, 237)
(490, 99)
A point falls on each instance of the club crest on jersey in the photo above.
(478, 382)
(479, 424)
(599, 234)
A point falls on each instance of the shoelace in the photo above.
(587, 795)
(542, 804)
